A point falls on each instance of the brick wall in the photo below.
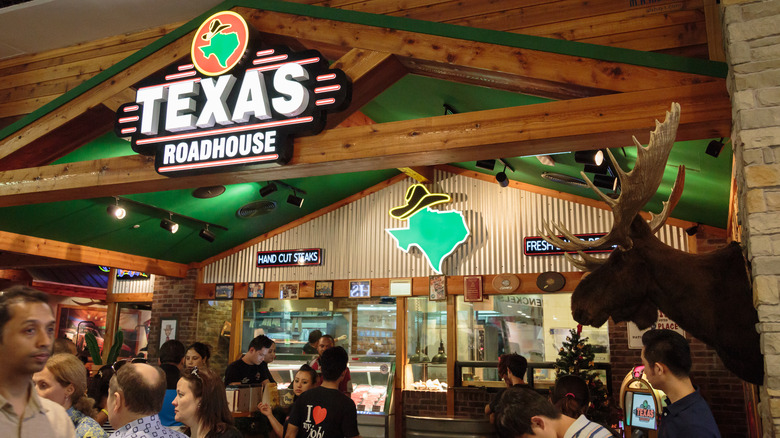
(752, 40)
(470, 402)
(212, 315)
(174, 298)
(424, 403)
(721, 389)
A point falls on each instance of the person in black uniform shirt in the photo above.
(325, 412)
(511, 369)
(252, 367)
(314, 339)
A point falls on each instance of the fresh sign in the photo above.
(533, 246)
(234, 105)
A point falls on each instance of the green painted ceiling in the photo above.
(85, 222)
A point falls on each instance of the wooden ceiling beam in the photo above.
(88, 255)
(535, 65)
(371, 74)
(95, 95)
(561, 126)
(84, 128)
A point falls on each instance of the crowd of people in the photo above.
(46, 391)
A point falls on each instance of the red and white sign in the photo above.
(663, 322)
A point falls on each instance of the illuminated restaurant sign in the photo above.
(534, 246)
(124, 274)
(233, 104)
(290, 257)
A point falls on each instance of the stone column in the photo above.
(751, 30)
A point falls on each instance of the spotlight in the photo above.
(169, 225)
(267, 190)
(605, 182)
(207, 234)
(116, 211)
(589, 157)
(502, 179)
(295, 200)
(691, 231)
(715, 147)
(486, 164)
(592, 168)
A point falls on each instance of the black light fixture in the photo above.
(487, 164)
(592, 168)
(116, 211)
(267, 190)
(295, 200)
(715, 147)
(589, 157)
(169, 224)
(502, 179)
(691, 231)
(207, 234)
(605, 182)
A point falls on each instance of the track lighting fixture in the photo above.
(592, 168)
(589, 157)
(715, 147)
(169, 225)
(486, 164)
(116, 211)
(207, 234)
(691, 231)
(605, 181)
(502, 179)
(295, 200)
(268, 189)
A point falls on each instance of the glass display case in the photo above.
(289, 322)
(540, 375)
(372, 388)
(532, 325)
(426, 364)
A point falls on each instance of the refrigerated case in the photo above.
(372, 389)
(539, 375)
(426, 361)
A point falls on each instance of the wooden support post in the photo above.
(452, 352)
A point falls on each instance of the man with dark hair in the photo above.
(135, 396)
(324, 411)
(511, 369)
(666, 356)
(249, 368)
(327, 342)
(172, 363)
(523, 412)
(516, 365)
(26, 336)
(314, 339)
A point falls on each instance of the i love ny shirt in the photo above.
(324, 413)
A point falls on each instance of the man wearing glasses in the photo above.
(26, 336)
(135, 396)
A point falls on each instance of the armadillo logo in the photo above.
(233, 105)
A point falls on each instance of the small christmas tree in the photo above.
(576, 358)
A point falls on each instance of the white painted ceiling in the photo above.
(42, 25)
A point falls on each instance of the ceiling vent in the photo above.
(208, 192)
(256, 209)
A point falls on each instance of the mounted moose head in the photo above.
(708, 295)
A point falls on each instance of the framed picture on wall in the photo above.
(168, 329)
(224, 291)
(437, 287)
(288, 291)
(73, 322)
(255, 290)
(472, 288)
(323, 289)
(360, 288)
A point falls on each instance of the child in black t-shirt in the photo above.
(325, 412)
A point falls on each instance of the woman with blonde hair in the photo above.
(64, 380)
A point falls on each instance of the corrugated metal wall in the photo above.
(144, 286)
(356, 245)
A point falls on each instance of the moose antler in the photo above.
(637, 188)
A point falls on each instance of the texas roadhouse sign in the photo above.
(236, 104)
